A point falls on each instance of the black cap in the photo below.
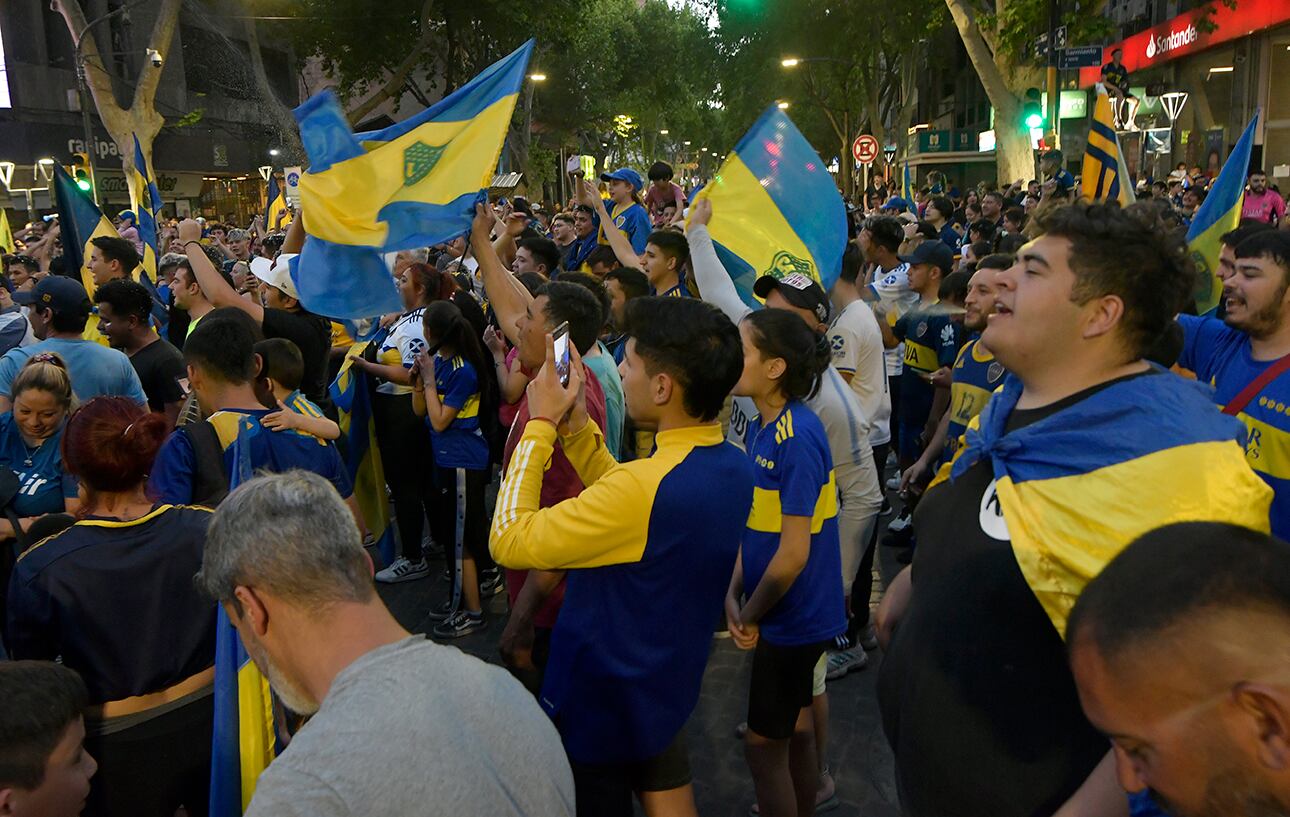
(56, 292)
(798, 289)
(932, 252)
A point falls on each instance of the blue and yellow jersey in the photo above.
(1221, 357)
(173, 472)
(976, 375)
(297, 402)
(793, 476)
(931, 339)
(341, 337)
(678, 291)
(650, 546)
(44, 485)
(462, 443)
(115, 601)
(633, 221)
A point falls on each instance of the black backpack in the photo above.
(210, 476)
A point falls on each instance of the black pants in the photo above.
(475, 515)
(893, 389)
(153, 768)
(605, 790)
(408, 460)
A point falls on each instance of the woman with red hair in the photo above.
(112, 596)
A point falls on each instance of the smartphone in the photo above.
(561, 335)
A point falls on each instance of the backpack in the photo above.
(210, 476)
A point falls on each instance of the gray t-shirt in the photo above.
(417, 728)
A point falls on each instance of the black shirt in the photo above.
(116, 602)
(977, 698)
(1116, 74)
(161, 369)
(312, 334)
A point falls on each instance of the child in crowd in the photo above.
(454, 391)
(282, 370)
(786, 598)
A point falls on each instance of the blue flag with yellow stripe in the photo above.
(146, 200)
(351, 392)
(413, 184)
(276, 214)
(244, 742)
(80, 220)
(775, 208)
(1103, 176)
(1219, 213)
(1076, 487)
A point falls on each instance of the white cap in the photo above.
(276, 273)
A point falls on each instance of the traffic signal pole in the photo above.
(1054, 18)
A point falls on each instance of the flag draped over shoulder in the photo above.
(351, 392)
(775, 208)
(1104, 176)
(277, 203)
(1078, 486)
(413, 184)
(1220, 213)
(244, 742)
(80, 221)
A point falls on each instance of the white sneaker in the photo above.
(893, 484)
(844, 661)
(403, 571)
(900, 523)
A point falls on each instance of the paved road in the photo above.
(858, 752)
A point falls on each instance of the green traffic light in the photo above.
(1034, 120)
(84, 184)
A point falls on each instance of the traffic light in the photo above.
(1032, 110)
(82, 172)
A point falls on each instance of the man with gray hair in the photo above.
(400, 725)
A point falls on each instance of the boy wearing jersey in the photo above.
(931, 341)
(975, 376)
(1252, 337)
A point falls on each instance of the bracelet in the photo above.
(186, 243)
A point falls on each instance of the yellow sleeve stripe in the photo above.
(767, 515)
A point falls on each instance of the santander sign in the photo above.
(1182, 36)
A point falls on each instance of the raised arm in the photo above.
(623, 250)
(218, 291)
(713, 280)
(507, 296)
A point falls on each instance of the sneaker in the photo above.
(901, 522)
(443, 612)
(893, 484)
(490, 582)
(844, 661)
(460, 624)
(403, 571)
(886, 509)
(868, 638)
(369, 540)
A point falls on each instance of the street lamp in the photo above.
(265, 172)
(44, 169)
(790, 62)
(274, 151)
(538, 77)
(1173, 103)
(782, 105)
(663, 132)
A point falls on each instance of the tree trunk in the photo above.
(141, 118)
(399, 75)
(1013, 154)
(284, 122)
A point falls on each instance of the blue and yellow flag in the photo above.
(1220, 213)
(1104, 176)
(277, 204)
(907, 189)
(351, 392)
(6, 235)
(80, 220)
(146, 200)
(775, 208)
(1075, 488)
(244, 741)
(413, 184)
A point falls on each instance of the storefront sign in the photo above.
(933, 141)
(1182, 35)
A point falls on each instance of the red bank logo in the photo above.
(1168, 42)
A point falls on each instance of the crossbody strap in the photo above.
(1238, 403)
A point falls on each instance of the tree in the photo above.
(141, 118)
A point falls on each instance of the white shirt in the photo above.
(404, 342)
(856, 341)
(892, 288)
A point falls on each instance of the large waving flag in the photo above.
(775, 208)
(244, 743)
(351, 392)
(277, 206)
(1070, 502)
(80, 220)
(1104, 177)
(1218, 214)
(410, 185)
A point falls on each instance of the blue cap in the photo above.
(124, 214)
(895, 203)
(624, 174)
(932, 251)
(57, 292)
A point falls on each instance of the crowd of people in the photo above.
(1081, 478)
